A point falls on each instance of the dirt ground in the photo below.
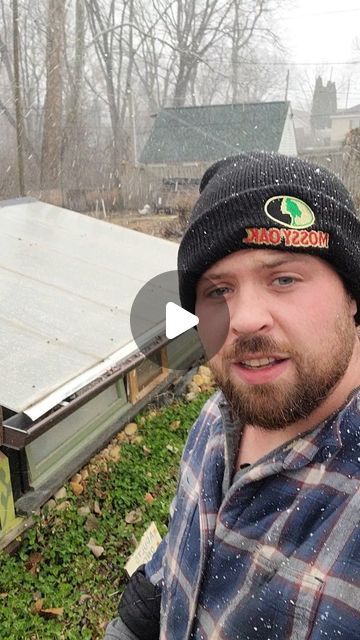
(162, 226)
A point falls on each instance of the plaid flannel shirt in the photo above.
(273, 554)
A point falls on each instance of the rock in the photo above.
(115, 453)
(60, 494)
(84, 511)
(205, 371)
(194, 388)
(190, 396)
(63, 506)
(76, 478)
(50, 504)
(131, 428)
(77, 488)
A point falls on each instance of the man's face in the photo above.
(288, 332)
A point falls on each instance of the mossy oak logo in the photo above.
(296, 216)
(289, 212)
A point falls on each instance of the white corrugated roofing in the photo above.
(67, 283)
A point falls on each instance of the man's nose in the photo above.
(249, 312)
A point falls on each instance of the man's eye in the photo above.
(218, 292)
(284, 281)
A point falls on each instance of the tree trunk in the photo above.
(52, 129)
(72, 147)
(17, 99)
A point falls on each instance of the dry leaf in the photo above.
(3, 596)
(149, 498)
(97, 509)
(91, 523)
(33, 561)
(99, 493)
(53, 612)
(171, 448)
(174, 426)
(133, 516)
(84, 597)
(37, 606)
(96, 549)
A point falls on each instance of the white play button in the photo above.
(178, 320)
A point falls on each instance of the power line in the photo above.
(326, 13)
(289, 64)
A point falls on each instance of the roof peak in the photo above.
(228, 104)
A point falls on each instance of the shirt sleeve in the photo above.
(117, 630)
(154, 569)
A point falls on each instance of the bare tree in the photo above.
(248, 24)
(109, 45)
(72, 134)
(92, 71)
(191, 28)
(18, 98)
(9, 99)
(52, 132)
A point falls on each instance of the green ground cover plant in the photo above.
(65, 580)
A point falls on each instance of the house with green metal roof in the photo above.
(184, 141)
(207, 133)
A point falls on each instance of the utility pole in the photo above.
(287, 85)
(347, 94)
(133, 126)
(17, 99)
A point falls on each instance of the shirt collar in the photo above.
(323, 441)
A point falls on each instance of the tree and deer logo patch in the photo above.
(289, 212)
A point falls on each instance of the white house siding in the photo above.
(341, 125)
(288, 140)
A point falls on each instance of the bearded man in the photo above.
(264, 540)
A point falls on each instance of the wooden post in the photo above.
(1, 427)
(7, 510)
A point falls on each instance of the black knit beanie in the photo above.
(270, 201)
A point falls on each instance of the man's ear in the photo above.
(353, 305)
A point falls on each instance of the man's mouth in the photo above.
(259, 363)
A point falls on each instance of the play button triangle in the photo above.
(178, 320)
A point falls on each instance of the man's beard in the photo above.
(276, 405)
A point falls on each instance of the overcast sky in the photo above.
(321, 34)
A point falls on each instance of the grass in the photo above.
(54, 587)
